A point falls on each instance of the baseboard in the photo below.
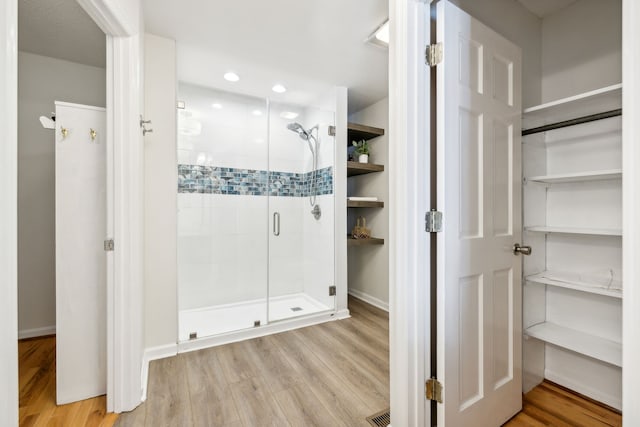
(36, 332)
(369, 299)
(154, 353)
(597, 395)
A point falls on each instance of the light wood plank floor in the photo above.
(334, 374)
(552, 405)
(37, 373)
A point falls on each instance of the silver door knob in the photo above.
(524, 250)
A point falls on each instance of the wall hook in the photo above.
(93, 134)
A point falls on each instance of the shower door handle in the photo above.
(276, 223)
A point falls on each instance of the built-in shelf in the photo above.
(589, 345)
(602, 175)
(573, 230)
(364, 204)
(356, 168)
(357, 132)
(587, 103)
(546, 278)
(364, 242)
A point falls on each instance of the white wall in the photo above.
(8, 210)
(522, 28)
(161, 321)
(584, 36)
(369, 265)
(41, 81)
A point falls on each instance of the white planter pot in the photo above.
(363, 158)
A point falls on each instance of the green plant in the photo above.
(362, 147)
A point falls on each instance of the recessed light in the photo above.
(256, 112)
(279, 88)
(231, 77)
(289, 115)
(216, 106)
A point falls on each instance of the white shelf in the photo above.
(543, 278)
(573, 230)
(602, 175)
(590, 345)
(587, 103)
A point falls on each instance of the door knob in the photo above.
(524, 250)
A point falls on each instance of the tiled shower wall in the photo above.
(230, 158)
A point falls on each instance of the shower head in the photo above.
(297, 127)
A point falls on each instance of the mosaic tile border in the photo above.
(234, 181)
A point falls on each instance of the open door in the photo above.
(479, 325)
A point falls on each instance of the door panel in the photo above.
(81, 207)
(479, 192)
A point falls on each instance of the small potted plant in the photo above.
(362, 150)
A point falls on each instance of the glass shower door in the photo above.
(222, 212)
(301, 212)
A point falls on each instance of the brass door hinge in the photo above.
(433, 54)
(433, 390)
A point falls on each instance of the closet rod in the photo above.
(573, 122)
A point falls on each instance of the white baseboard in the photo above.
(369, 299)
(36, 332)
(154, 353)
(607, 399)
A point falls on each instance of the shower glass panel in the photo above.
(301, 208)
(255, 212)
(222, 211)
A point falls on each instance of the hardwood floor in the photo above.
(552, 405)
(334, 374)
(37, 373)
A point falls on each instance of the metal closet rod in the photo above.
(573, 122)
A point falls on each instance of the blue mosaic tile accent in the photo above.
(218, 180)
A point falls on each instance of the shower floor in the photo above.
(215, 320)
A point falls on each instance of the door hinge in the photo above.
(108, 245)
(433, 54)
(332, 131)
(433, 390)
(332, 291)
(433, 221)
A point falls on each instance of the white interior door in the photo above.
(80, 258)
(479, 190)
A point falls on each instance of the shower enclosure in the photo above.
(255, 212)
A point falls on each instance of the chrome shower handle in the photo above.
(276, 223)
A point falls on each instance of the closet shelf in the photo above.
(601, 175)
(584, 104)
(356, 168)
(543, 278)
(364, 204)
(573, 230)
(364, 242)
(357, 132)
(589, 345)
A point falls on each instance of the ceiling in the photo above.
(60, 29)
(308, 46)
(543, 8)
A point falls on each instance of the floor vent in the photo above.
(296, 308)
(381, 419)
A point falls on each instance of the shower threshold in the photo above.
(221, 319)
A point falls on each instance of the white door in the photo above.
(479, 189)
(81, 322)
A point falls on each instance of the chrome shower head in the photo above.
(297, 127)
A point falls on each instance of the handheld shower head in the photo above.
(297, 127)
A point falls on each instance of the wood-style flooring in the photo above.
(333, 374)
(37, 373)
(552, 405)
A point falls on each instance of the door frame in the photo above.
(121, 21)
(409, 185)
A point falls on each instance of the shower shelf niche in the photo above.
(364, 204)
(356, 168)
(364, 242)
(357, 132)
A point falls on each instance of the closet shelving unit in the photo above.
(575, 111)
(357, 132)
